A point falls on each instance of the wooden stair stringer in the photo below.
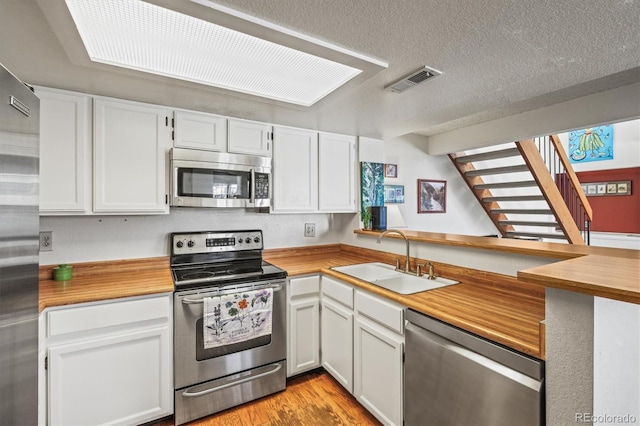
(550, 191)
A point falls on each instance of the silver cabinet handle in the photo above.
(188, 394)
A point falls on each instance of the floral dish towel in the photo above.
(235, 318)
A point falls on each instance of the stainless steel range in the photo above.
(230, 322)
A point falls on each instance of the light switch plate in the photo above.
(309, 229)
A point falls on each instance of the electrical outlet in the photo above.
(309, 229)
(46, 241)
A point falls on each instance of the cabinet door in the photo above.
(124, 378)
(303, 324)
(130, 150)
(378, 383)
(295, 170)
(249, 137)
(337, 342)
(200, 131)
(65, 152)
(337, 173)
(304, 343)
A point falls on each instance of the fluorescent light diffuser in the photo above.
(141, 36)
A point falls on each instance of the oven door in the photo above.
(195, 364)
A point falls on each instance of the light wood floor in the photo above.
(314, 398)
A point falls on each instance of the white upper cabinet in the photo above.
(198, 130)
(295, 170)
(65, 152)
(313, 172)
(131, 142)
(337, 173)
(249, 137)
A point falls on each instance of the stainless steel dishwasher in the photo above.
(453, 377)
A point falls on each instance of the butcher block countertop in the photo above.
(508, 310)
(494, 306)
(98, 281)
(599, 271)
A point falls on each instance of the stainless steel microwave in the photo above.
(214, 179)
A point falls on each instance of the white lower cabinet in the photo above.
(362, 345)
(378, 358)
(303, 348)
(337, 330)
(109, 363)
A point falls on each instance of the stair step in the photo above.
(521, 211)
(527, 223)
(514, 198)
(516, 184)
(491, 155)
(512, 234)
(498, 170)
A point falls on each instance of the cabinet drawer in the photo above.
(72, 320)
(304, 285)
(384, 312)
(341, 292)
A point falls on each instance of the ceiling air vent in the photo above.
(413, 79)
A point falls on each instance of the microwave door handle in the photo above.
(252, 188)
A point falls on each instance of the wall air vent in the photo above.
(413, 79)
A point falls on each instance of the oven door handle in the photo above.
(187, 301)
(188, 394)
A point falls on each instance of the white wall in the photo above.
(609, 106)
(464, 214)
(94, 238)
(616, 359)
(626, 149)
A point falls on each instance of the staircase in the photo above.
(529, 189)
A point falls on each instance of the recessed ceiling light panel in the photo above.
(145, 37)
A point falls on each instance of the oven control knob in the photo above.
(248, 240)
(256, 240)
(179, 244)
(191, 243)
(240, 240)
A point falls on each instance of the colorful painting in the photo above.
(593, 144)
(372, 180)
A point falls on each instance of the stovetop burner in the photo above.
(216, 258)
(196, 275)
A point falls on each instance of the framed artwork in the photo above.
(593, 144)
(394, 194)
(391, 170)
(594, 189)
(432, 196)
(372, 185)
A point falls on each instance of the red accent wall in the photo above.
(620, 213)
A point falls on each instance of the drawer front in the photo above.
(304, 285)
(338, 291)
(384, 312)
(110, 314)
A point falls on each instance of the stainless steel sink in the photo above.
(387, 277)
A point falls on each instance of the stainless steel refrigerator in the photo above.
(19, 244)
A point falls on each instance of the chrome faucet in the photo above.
(406, 263)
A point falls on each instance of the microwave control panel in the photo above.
(262, 186)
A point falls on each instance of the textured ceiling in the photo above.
(498, 58)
